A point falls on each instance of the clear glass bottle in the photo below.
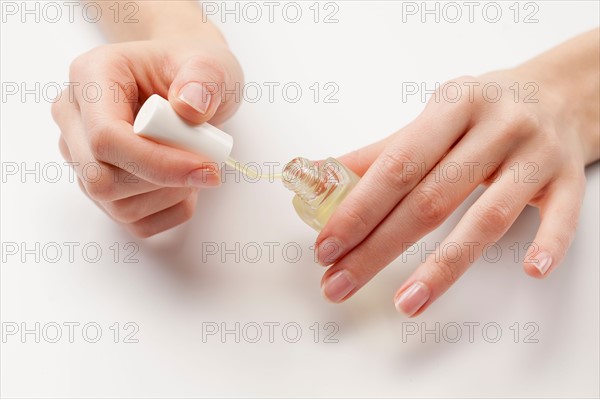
(319, 188)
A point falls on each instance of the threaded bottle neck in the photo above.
(311, 183)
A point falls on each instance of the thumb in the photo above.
(195, 93)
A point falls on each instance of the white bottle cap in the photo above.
(158, 121)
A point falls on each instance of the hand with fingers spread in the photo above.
(528, 147)
(148, 187)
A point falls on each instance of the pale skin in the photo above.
(145, 186)
(393, 207)
(526, 153)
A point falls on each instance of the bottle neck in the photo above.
(310, 182)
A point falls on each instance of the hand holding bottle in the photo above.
(146, 186)
(527, 152)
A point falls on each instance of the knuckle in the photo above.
(464, 80)
(141, 229)
(101, 189)
(445, 270)
(83, 188)
(519, 124)
(428, 205)
(493, 220)
(528, 121)
(552, 146)
(78, 64)
(580, 179)
(358, 158)
(99, 141)
(188, 207)
(122, 212)
(101, 55)
(63, 149)
(208, 65)
(55, 112)
(458, 94)
(56, 108)
(354, 222)
(396, 168)
(464, 107)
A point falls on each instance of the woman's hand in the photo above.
(146, 186)
(529, 149)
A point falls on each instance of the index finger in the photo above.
(406, 159)
(109, 125)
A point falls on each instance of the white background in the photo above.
(171, 291)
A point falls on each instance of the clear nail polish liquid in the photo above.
(319, 188)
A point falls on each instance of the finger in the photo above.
(164, 220)
(102, 181)
(360, 160)
(559, 217)
(197, 90)
(155, 222)
(481, 227)
(110, 137)
(64, 149)
(399, 168)
(132, 209)
(85, 192)
(432, 202)
(424, 208)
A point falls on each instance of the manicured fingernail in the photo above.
(203, 178)
(337, 286)
(542, 262)
(328, 251)
(411, 300)
(194, 95)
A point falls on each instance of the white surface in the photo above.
(171, 291)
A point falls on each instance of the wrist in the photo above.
(157, 20)
(571, 100)
(189, 30)
(568, 85)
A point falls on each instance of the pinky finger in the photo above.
(164, 220)
(483, 224)
(559, 216)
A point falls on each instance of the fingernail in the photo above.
(203, 178)
(328, 251)
(542, 262)
(194, 95)
(411, 300)
(337, 286)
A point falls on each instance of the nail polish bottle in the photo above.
(156, 120)
(319, 188)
